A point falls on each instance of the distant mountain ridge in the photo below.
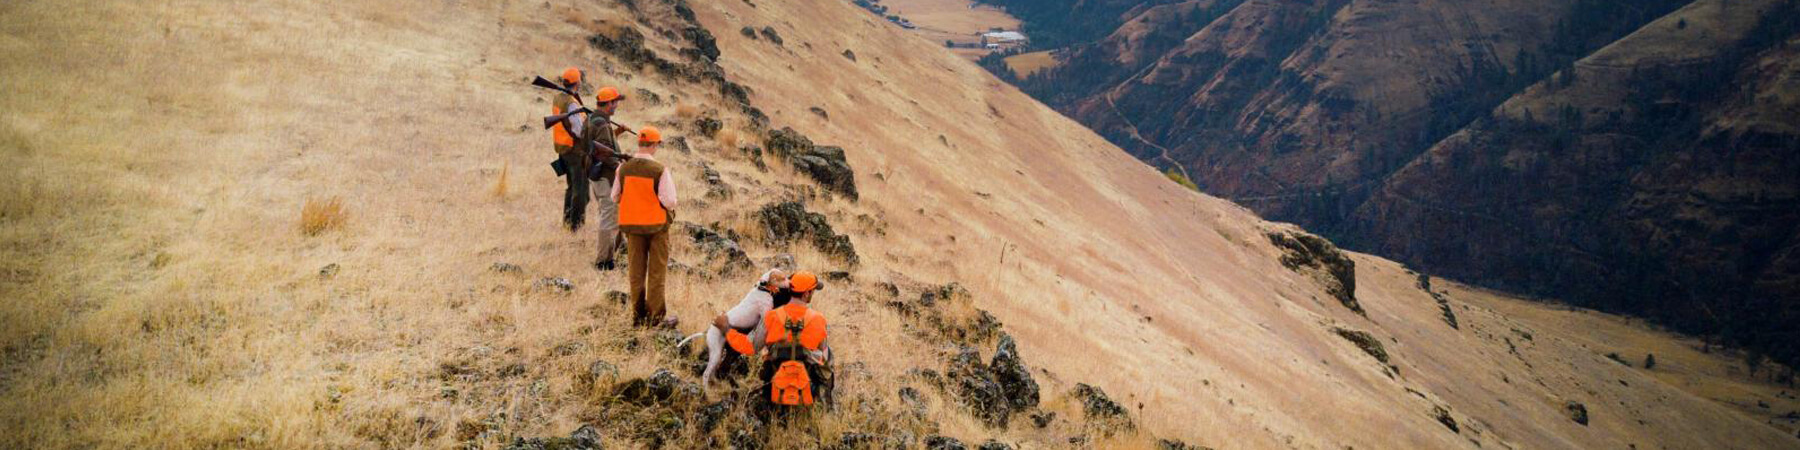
(1634, 156)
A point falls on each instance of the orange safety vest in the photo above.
(640, 211)
(558, 133)
(792, 384)
(810, 323)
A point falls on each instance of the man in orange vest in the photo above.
(798, 362)
(575, 197)
(599, 139)
(645, 192)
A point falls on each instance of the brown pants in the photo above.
(648, 260)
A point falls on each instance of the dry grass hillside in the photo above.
(291, 224)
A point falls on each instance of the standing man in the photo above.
(575, 197)
(600, 135)
(645, 192)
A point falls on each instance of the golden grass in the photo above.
(321, 215)
(500, 184)
(687, 111)
(728, 139)
(155, 296)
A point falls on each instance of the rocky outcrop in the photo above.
(790, 221)
(825, 164)
(1313, 255)
(584, 438)
(1577, 412)
(1097, 406)
(721, 249)
(1365, 341)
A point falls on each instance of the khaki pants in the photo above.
(649, 263)
(608, 220)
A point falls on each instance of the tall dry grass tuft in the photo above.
(500, 188)
(319, 216)
(687, 111)
(728, 139)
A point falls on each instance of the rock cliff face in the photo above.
(1609, 142)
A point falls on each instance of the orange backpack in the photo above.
(791, 386)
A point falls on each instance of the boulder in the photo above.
(660, 388)
(722, 249)
(790, 221)
(1306, 253)
(708, 126)
(769, 33)
(935, 442)
(1096, 404)
(1577, 412)
(584, 438)
(716, 189)
(509, 268)
(1363, 340)
(1443, 416)
(558, 284)
(1016, 383)
(703, 41)
(1171, 444)
(825, 164)
(994, 445)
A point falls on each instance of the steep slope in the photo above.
(164, 295)
(1314, 112)
(1658, 177)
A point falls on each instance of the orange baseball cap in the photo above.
(571, 75)
(804, 281)
(649, 135)
(608, 94)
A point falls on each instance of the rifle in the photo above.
(551, 85)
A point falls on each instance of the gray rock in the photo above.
(618, 297)
(1443, 416)
(722, 249)
(330, 270)
(1016, 383)
(1096, 404)
(1308, 253)
(790, 221)
(769, 33)
(1577, 412)
(825, 164)
(975, 388)
(507, 268)
(935, 442)
(559, 284)
(1363, 340)
(994, 445)
(662, 387)
(1171, 444)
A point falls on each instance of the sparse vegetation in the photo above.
(1176, 176)
(318, 216)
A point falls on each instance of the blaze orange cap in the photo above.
(803, 281)
(649, 135)
(607, 94)
(571, 75)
